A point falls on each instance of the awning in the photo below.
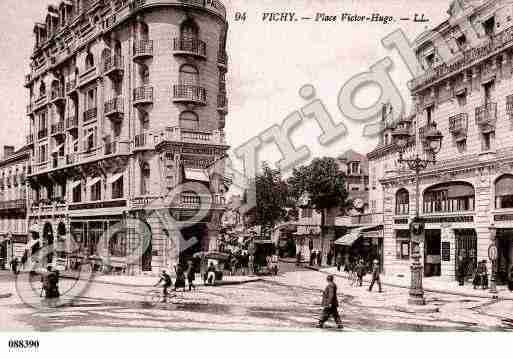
(115, 177)
(196, 174)
(350, 238)
(75, 183)
(93, 181)
(504, 186)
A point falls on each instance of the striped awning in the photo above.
(196, 174)
(350, 238)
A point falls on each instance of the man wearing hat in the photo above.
(330, 304)
(375, 276)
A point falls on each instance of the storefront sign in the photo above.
(97, 205)
(454, 219)
(446, 251)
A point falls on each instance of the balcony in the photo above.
(58, 161)
(222, 59)
(113, 66)
(42, 133)
(486, 117)
(87, 76)
(72, 159)
(30, 139)
(144, 141)
(40, 102)
(71, 86)
(143, 95)
(57, 96)
(177, 134)
(114, 108)
(116, 148)
(190, 94)
(57, 129)
(91, 114)
(458, 126)
(143, 49)
(72, 122)
(190, 47)
(222, 103)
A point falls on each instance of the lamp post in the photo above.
(433, 138)
(492, 255)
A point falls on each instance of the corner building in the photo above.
(127, 103)
(470, 188)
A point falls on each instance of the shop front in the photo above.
(505, 255)
(363, 243)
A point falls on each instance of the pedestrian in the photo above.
(329, 257)
(298, 259)
(360, 272)
(275, 264)
(339, 260)
(330, 304)
(233, 265)
(312, 258)
(211, 274)
(180, 278)
(14, 265)
(165, 279)
(319, 258)
(50, 281)
(191, 275)
(461, 271)
(375, 276)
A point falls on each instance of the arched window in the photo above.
(89, 63)
(106, 57)
(189, 120)
(504, 192)
(402, 202)
(145, 178)
(189, 31)
(42, 89)
(449, 197)
(144, 31)
(189, 75)
(55, 88)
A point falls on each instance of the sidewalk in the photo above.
(435, 285)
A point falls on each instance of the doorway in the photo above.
(466, 252)
(432, 257)
(504, 249)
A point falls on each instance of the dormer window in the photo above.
(354, 168)
(489, 26)
(461, 41)
(430, 60)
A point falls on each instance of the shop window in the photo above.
(504, 192)
(117, 189)
(403, 247)
(450, 197)
(402, 202)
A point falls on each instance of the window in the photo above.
(118, 244)
(189, 31)
(430, 60)
(77, 193)
(462, 98)
(306, 213)
(461, 41)
(189, 120)
(489, 26)
(96, 191)
(43, 153)
(402, 202)
(188, 75)
(117, 188)
(451, 197)
(145, 178)
(42, 90)
(487, 141)
(355, 189)
(91, 99)
(90, 139)
(89, 61)
(145, 75)
(402, 242)
(504, 192)
(354, 168)
(429, 114)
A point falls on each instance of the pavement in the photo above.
(433, 284)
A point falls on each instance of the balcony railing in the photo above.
(222, 102)
(57, 128)
(116, 147)
(193, 47)
(458, 125)
(58, 161)
(177, 134)
(30, 139)
(143, 48)
(143, 95)
(114, 107)
(42, 133)
(112, 65)
(189, 93)
(486, 116)
(90, 114)
(72, 122)
(57, 95)
(71, 86)
(13, 204)
(87, 76)
(143, 140)
(496, 43)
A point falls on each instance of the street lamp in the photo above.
(433, 138)
(492, 255)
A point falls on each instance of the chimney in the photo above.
(8, 151)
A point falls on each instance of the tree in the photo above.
(323, 183)
(271, 197)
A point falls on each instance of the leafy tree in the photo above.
(271, 197)
(323, 183)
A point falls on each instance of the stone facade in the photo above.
(127, 110)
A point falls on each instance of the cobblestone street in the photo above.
(289, 302)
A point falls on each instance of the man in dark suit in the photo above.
(330, 304)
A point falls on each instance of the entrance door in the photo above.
(504, 249)
(466, 251)
(432, 258)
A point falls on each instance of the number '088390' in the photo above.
(23, 344)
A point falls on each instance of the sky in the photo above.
(268, 64)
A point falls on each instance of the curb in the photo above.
(5, 295)
(218, 284)
(426, 289)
